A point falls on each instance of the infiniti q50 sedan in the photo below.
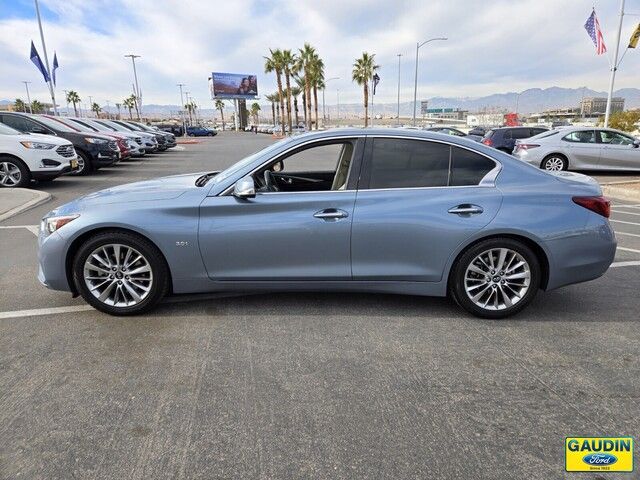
(394, 211)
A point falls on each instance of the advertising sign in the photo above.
(233, 85)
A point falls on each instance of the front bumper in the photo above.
(50, 174)
(52, 271)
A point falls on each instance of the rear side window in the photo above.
(537, 131)
(517, 133)
(581, 136)
(408, 163)
(468, 168)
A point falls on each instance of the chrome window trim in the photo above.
(487, 181)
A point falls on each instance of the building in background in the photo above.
(446, 114)
(593, 106)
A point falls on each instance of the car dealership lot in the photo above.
(306, 385)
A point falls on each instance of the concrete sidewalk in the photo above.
(16, 200)
(629, 191)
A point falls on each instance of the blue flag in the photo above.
(55, 65)
(35, 58)
(376, 80)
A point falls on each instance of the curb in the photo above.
(621, 191)
(40, 198)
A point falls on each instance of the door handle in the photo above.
(331, 214)
(466, 209)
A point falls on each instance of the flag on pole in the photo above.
(35, 58)
(593, 29)
(376, 80)
(635, 36)
(55, 66)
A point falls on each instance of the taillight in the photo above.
(487, 141)
(526, 146)
(599, 205)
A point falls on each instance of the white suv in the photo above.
(24, 157)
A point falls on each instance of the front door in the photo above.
(618, 151)
(418, 201)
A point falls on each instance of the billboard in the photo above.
(233, 85)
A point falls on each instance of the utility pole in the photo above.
(26, 85)
(614, 67)
(66, 92)
(46, 60)
(108, 106)
(184, 123)
(398, 114)
(324, 116)
(415, 85)
(338, 97)
(90, 104)
(135, 77)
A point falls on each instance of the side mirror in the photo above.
(244, 188)
(636, 143)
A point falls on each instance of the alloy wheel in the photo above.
(554, 164)
(10, 174)
(118, 275)
(497, 279)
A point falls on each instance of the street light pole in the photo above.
(26, 85)
(324, 116)
(338, 97)
(398, 116)
(184, 124)
(415, 85)
(90, 103)
(46, 61)
(614, 67)
(135, 77)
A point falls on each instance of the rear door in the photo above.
(618, 151)
(417, 201)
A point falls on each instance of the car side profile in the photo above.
(504, 138)
(394, 211)
(580, 148)
(200, 132)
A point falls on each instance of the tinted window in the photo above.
(537, 131)
(54, 124)
(408, 163)
(506, 134)
(614, 138)
(520, 133)
(468, 168)
(581, 136)
(19, 123)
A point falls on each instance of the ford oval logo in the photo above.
(599, 459)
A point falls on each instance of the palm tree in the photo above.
(220, 106)
(306, 58)
(295, 93)
(19, 105)
(74, 98)
(134, 100)
(118, 107)
(363, 70)
(37, 107)
(273, 98)
(96, 108)
(189, 108)
(275, 63)
(290, 65)
(129, 104)
(255, 109)
(301, 82)
(317, 81)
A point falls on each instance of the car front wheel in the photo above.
(120, 273)
(495, 278)
(84, 164)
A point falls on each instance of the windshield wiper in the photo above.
(202, 180)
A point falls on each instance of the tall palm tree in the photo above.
(96, 108)
(19, 105)
(290, 67)
(74, 98)
(363, 70)
(295, 93)
(134, 101)
(306, 57)
(129, 104)
(273, 98)
(317, 81)
(219, 104)
(37, 107)
(275, 63)
(255, 110)
(300, 81)
(189, 108)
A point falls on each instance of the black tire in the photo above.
(555, 162)
(156, 261)
(457, 288)
(11, 164)
(85, 165)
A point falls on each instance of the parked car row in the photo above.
(43, 147)
(271, 128)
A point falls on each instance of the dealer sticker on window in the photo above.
(598, 454)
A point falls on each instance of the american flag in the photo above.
(593, 29)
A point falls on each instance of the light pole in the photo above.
(66, 92)
(184, 124)
(90, 104)
(415, 85)
(324, 116)
(135, 77)
(614, 67)
(26, 85)
(338, 97)
(46, 61)
(398, 115)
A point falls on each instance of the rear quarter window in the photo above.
(468, 168)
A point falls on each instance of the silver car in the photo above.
(393, 211)
(580, 148)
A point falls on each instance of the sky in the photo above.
(493, 46)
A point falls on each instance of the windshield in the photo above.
(236, 167)
(4, 130)
(54, 124)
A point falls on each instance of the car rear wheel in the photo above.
(120, 273)
(13, 173)
(495, 278)
(554, 163)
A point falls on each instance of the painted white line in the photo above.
(626, 205)
(626, 213)
(44, 311)
(626, 223)
(632, 263)
(629, 249)
(35, 229)
(629, 234)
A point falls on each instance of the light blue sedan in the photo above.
(393, 211)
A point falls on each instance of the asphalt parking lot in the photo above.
(306, 385)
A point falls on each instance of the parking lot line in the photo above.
(44, 311)
(626, 213)
(629, 234)
(32, 228)
(628, 263)
(626, 249)
(627, 223)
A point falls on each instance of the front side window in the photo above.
(19, 123)
(581, 136)
(615, 138)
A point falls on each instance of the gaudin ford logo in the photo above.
(599, 454)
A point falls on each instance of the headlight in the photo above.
(98, 141)
(51, 224)
(37, 145)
